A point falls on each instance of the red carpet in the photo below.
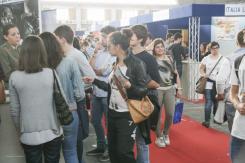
(192, 143)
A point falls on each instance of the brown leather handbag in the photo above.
(139, 110)
(201, 83)
(2, 92)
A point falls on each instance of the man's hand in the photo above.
(88, 79)
(220, 97)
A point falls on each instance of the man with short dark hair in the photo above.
(223, 78)
(178, 52)
(65, 36)
(169, 40)
(102, 63)
(137, 43)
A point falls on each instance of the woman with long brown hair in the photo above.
(32, 104)
(166, 91)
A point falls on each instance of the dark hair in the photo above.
(177, 36)
(156, 42)
(141, 33)
(214, 44)
(33, 56)
(108, 29)
(169, 35)
(76, 43)
(121, 38)
(7, 27)
(85, 43)
(204, 44)
(53, 49)
(149, 35)
(240, 39)
(66, 32)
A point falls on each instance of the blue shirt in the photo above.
(105, 62)
(70, 79)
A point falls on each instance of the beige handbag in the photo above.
(139, 110)
(201, 83)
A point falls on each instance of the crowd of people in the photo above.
(86, 70)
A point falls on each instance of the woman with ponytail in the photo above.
(130, 75)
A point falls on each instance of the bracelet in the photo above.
(179, 88)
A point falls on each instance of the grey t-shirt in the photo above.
(166, 69)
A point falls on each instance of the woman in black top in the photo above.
(129, 72)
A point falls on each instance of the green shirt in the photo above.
(9, 58)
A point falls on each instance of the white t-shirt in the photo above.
(209, 64)
(238, 129)
(117, 103)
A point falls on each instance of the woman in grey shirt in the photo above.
(166, 91)
(32, 104)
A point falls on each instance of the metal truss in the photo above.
(194, 39)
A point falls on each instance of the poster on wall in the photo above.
(225, 28)
(23, 13)
(224, 31)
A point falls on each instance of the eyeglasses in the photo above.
(215, 48)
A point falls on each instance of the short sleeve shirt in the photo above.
(238, 129)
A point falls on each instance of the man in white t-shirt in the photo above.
(209, 68)
(237, 96)
(223, 78)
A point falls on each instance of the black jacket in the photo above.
(136, 71)
(1, 73)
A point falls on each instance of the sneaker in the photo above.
(95, 152)
(206, 124)
(105, 156)
(166, 139)
(160, 142)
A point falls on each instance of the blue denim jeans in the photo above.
(70, 140)
(99, 107)
(83, 129)
(237, 150)
(230, 114)
(210, 101)
(50, 151)
(142, 149)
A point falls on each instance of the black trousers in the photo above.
(155, 115)
(50, 150)
(121, 139)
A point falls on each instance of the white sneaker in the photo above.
(160, 142)
(166, 139)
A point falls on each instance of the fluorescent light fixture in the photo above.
(161, 15)
(128, 2)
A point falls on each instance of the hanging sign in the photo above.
(235, 9)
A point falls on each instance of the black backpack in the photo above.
(237, 64)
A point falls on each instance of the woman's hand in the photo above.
(179, 92)
(88, 79)
(126, 84)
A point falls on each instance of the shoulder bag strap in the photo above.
(56, 83)
(237, 64)
(120, 88)
(215, 65)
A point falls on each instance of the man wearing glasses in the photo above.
(209, 68)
